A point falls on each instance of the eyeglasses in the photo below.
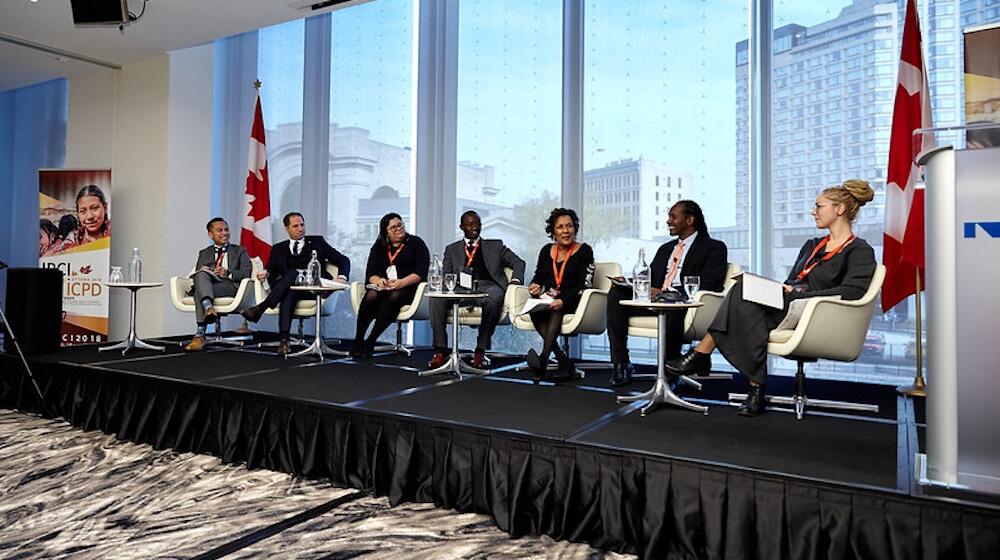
(817, 206)
(398, 227)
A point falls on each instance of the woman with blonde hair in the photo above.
(837, 264)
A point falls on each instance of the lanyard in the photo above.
(469, 255)
(809, 266)
(559, 271)
(392, 256)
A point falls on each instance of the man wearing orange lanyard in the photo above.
(478, 263)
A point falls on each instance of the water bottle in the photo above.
(135, 266)
(313, 271)
(640, 276)
(434, 274)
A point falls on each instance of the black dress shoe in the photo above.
(535, 363)
(754, 403)
(691, 363)
(621, 373)
(253, 314)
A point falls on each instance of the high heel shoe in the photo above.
(536, 363)
(754, 403)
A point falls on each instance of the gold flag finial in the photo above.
(256, 84)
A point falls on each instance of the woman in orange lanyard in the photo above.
(565, 268)
(836, 264)
(397, 264)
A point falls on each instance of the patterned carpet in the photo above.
(73, 494)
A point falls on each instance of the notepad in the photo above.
(763, 290)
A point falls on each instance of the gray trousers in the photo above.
(492, 306)
(207, 286)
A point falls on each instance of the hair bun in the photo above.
(860, 190)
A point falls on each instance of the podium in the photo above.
(34, 308)
(963, 358)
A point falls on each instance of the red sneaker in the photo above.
(480, 360)
(437, 361)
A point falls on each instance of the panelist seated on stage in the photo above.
(474, 259)
(838, 264)
(692, 252)
(565, 268)
(397, 264)
(218, 271)
(281, 271)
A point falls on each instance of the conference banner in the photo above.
(74, 235)
(982, 84)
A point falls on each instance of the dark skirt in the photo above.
(740, 330)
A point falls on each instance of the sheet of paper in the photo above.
(764, 291)
(465, 280)
(535, 304)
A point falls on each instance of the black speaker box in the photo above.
(34, 309)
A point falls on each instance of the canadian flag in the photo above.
(903, 243)
(256, 232)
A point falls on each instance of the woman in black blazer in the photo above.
(397, 263)
(836, 264)
(564, 270)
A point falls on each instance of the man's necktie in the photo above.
(220, 253)
(675, 261)
(296, 247)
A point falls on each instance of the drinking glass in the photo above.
(116, 275)
(641, 285)
(449, 282)
(691, 286)
(300, 280)
(434, 282)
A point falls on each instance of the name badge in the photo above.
(391, 273)
(465, 280)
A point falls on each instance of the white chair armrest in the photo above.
(591, 315)
(179, 286)
(698, 319)
(418, 309)
(829, 328)
(518, 295)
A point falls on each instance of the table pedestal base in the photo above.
(454, 365)
(661, 394)
(132, 341)
(318, 347)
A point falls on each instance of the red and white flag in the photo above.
(903, 243)
(256, 232)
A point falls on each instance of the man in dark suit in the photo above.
(482, 261)
(692, 253)
(218, 271)
(282, 268)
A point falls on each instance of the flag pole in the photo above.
(245, 329)
(918, 388)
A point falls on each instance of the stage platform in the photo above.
(564, 460)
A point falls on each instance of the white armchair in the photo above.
(304, 308)
(183, 302)
(418, 310)
(831, 329)
(590, 316)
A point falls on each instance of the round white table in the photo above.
(661, 392)
(319, 347)
(132, 340)
(454, 365)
